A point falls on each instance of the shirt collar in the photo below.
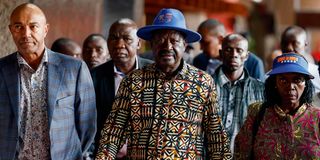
(223, 79)
(179, 73)
(118, 72)
(22, 61)
(282, 114)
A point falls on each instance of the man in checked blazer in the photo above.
(123, 44)
(47, 100)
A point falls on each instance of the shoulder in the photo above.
(254, 58)
(11, 58)
(254, 108)
(63, 60)
(255, 82)
(103, 68)
(199, 57)
(144, 60)
(198, 76)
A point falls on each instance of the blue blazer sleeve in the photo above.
(85, 105)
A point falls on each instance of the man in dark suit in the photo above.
(47, 100)
(123, 44)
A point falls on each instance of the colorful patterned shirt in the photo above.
(165, 118)
(280, 135)
(34, 133)
(234, 99)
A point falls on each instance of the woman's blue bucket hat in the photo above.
(290, 63)
(169, 19)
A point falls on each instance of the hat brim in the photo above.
(290, 68)
(146, 32)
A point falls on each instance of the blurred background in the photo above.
(262, 21)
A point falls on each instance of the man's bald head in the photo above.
(294, 39)
(27, 9)
(212, 32)
(123, 43)
(29, 28)
(213, 26)
(235, 38)
(124, 21)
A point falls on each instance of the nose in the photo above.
(167, 44)
(120, 43)
(93, 54)
(26, 31)
(233, 53)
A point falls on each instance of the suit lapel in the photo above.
(55, 76)
(11, 76)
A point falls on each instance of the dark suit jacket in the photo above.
(71, 107)
(103, 79)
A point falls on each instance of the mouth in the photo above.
(291, 96)
(166, 54)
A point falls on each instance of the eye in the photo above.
(17, 27)
(100, 49)
(299, 80)
(283, 81)
(229, 49)
(128, 39)
(240, 51)
(34, 27)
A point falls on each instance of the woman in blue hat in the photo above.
(286, 124)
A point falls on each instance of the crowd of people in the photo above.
(104, 101)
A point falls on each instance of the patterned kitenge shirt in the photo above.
(281, 136)
(34, 141)
(165, 118)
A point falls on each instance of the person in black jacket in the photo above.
(123, 45)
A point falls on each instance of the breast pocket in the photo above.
(67, 101)
(64, 110)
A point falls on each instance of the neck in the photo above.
(171, 71)
(233, 75)
(33, 59)
(289, 108)
(126, 67)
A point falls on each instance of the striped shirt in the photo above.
(165, 118)
(234, 99)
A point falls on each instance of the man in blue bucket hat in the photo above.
(166, 110)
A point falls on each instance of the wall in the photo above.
(7, 44)
(75, 19)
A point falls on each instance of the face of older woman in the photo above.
(290, 87)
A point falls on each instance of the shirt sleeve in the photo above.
(113, 133)
(217, 139)
(243, 141)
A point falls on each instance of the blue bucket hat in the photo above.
(290, 63)
(169, 19)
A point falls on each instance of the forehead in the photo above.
(122, 29)
(27, 15)
(96, 41)
(236, 43)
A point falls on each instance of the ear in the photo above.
(10, 28)
(246, 57)
(220, 37)
(139, 44)
(46, 29)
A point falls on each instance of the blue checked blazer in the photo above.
(71, 107)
